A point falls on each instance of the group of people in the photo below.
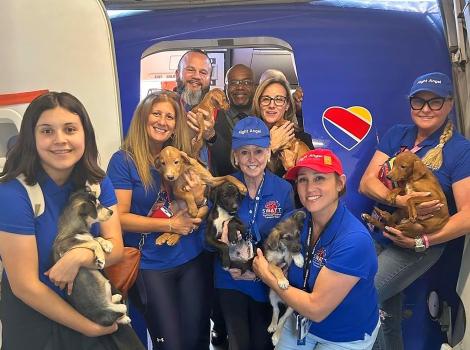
(337, 293)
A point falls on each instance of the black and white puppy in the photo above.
(91, 294)
(226, 200)
(281, 248)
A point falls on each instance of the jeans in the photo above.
(288, 340)
(398, 268)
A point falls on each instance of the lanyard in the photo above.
(251, 225)
(310, 253)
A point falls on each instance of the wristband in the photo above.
(426, 241)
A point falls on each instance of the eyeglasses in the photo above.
(278, 100)
(244, 82)
(434, 104)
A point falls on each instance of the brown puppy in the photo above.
(281, 248)
(172, 164)
(290, 152)
(412, 175)
(215, 99)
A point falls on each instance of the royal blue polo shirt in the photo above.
(276, 199)
(124, 176)
(345, 246)
(17, 216)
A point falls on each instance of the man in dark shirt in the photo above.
(240, 89)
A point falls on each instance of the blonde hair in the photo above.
(290, 113)
(137, 143)
(433, 158)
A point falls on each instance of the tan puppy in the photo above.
(215, 99)
(172, 164)
(412, 175)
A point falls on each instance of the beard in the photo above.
(191, 97)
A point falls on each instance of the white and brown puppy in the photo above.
(281, 248)
(91, 294)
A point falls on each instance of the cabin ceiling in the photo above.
(173, 4)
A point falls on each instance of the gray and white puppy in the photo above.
(91, 294)
(281, 248)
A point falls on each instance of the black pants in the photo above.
(246, 320)
(176, 305)
(26, 329)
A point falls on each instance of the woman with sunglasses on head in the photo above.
(171, 287)
(56, 152)
(274, 103)
(432, 137)
(333, 295)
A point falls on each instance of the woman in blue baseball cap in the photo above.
(434, 139)
(243, 298)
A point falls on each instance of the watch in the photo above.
(419, 245)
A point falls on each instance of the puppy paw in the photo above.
(272, 328)
(173, 239)
(298, 260)
(283, 283)
(106, 245)
(275, 338)
(116, 298)
(99, 262)
(123, 320)
(162, 239)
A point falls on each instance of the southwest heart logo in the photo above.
(347, 126)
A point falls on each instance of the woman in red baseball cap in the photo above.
(333, 294)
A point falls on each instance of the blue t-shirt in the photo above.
(456, 158)
(344, 246)
(276, 199)
(123, 174)
(17, 216)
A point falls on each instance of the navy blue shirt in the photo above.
(344, 246)
(276, 199)
(123, 174)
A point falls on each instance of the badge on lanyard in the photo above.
(161, 208)
(302, 325)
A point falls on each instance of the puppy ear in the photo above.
(158, 165)
(272, 242)
(213, 194)
(419, 170)
(185, 157)
(87, 209)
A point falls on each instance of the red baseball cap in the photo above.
(321, 159)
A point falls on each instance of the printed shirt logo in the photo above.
(272, 210)
(319, 258)
(347, 126)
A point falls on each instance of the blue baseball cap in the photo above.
(436, 82)
(250, 131)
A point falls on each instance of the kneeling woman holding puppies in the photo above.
(333, 295)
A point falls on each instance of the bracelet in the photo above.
(169, 224)
(426, 241)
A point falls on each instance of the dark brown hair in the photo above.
(23, 157)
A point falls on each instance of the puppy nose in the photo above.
(110, 211)
(170, 177)
(296, 248)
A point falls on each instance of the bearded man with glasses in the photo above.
(447, 153)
